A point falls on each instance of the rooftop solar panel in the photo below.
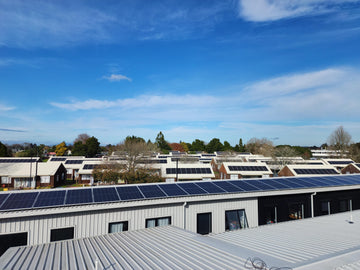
(261, 184)
(50, 198)
(19, 201)
(248, 168)
(192, 189)
(210, 187)
(152, 191)
(129, 193)
(74, 161)
(105, 194)
(225, 185)
(292, 183)
(340, 162)
(172, 190)
(3, 197)
(58, 159)
(79, 196)
(244, 185)
(276, 184)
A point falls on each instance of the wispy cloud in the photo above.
(51, 23)
(11, 130)
(143, 101)
(6, 108)
(116, 78)
(269, 10)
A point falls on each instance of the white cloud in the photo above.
(272, 10)
(116, 78)
(295, 107)
(51, 23)
(6, 108)
(143, 101)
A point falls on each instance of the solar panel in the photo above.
(152, 191)
(275, 184)
(248, 168)
(192, 189)
(291, 183)
(210, 187)
(3, 197)
(19, 201)
(58, 159)
(74, 161)
(105, 194)
(129, 193)
(79, 196)
(225, 185)
(308, 182)
(261, 184)
(244, 185)
(50, 198)
(315, 171)
(340, 162)
(188, 171)
(89, 166)
(172, 190)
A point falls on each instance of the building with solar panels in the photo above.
(307, 170)
(338, 163)
(204, 207)
(351, 168)
(238, 170)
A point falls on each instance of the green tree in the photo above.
(197, 145)
(79, 149)
(4, 151)
(214, 145)
(161, 143)
(227, 146)
(60, 149)
(92, 147)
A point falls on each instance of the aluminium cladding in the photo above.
(36, 199)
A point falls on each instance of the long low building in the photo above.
(328, 242)
(204, 207)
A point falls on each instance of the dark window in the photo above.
(155, 222)
(61, 234)
(204, 225)
(325, 208)
(12, 240)
(296, 211)
(344, 205)
(235, 220)
(118, 226)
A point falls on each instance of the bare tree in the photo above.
(340, 140)
(82, 138)
(260, 146)
(283, 155)
(133, 151)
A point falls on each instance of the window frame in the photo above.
(125, 225)
(157, 221)
(238, 225)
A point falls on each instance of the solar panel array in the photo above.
(188, 171)
(248, 168)
(316, 171)
(74, 161)
(18, 160)
(95, 195)
(89, 166)
(340, 162)
(58, 159)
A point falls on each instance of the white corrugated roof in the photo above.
(29, 169)
(328, 242)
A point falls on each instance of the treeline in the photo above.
(89, 146)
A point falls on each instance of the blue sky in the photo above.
(285, 70)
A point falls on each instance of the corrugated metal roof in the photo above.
(156, 248)
(328, 242)
(302, 242)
